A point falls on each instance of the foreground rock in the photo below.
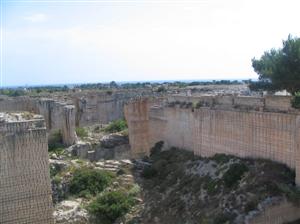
(70, 212)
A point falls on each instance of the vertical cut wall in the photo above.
(58, 115)
(245, 128)
(25, 191)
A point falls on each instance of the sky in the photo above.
(62, 41)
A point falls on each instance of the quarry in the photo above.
(206, 155)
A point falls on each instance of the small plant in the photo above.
(212, 186)
(81, 132)
(234, 174)
(55, 141)
(199, 104)
(97, 129)
(106, 208)
(156, 149)
(223, 219)
(87, 181)
(134, 190)
(57, 179)
(296, 100)
(149, 172)
(161, 89)
(221, 158)
(116, 126)
(251, 205)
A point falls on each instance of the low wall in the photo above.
(25, 192)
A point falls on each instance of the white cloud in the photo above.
(36, 18)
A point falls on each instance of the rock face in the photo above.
(25, 195)
(103, 107)
(252, 127)
(58, 115)
(113, 146)
(70, 212)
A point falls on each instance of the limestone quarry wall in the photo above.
(251, 129)
(103, 107)
(25, 192)
(97, 108)
(209, 130)
(58, 116)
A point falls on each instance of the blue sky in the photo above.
(50, 42)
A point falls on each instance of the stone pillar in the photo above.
(68, 125)
(136, 114)
(297, 151)
(25, 190)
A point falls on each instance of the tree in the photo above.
(279, 69)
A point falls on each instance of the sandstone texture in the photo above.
(25, 192)
(248, 127)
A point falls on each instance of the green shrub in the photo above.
(212, 186)
(156, 149)
(223, 218)
(251, 205)
(81, 132)
(149, 172)
(199, 104)
(296, 100)
(221, 158)
(87, 181)
(234, 174)
(108, 207)
(134, 190)
(55, 141)
(116, 126)
(160, 165)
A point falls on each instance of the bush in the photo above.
(221, 158)
(156, 149)
(116, 126)
(55, 141)
(234, 174)
(223, 218)
(149, 172)
(81, 132)
(87, 181)
(296, 100)
(108, 207)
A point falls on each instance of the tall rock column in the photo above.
(136, 114)
(297, 151)
(68, 125)
(25, 190)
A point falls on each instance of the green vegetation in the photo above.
(12, 92)
(279, 69)
(156, 149)
(149, 172)
(109, 206)
(234, 174)
(296, 100)
(221, 158)
(88, 182)
(223, 219)
(116, 126)
(55, 141)
(81, 132)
